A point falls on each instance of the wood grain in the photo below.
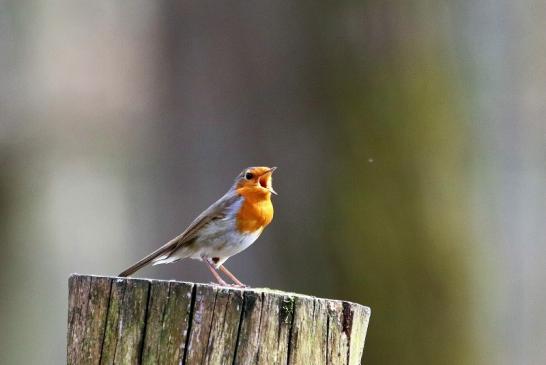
(136, 321)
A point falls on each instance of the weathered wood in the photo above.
(125, 323)
(135, 321)
(167, 322)
(249, 333)
(87, 308)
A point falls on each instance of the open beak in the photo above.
(267, 175)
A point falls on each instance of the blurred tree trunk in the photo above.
(397, 209)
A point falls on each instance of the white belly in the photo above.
(221, 239)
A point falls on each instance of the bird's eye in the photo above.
(249, 175)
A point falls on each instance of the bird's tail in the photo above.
(161, 255)
(137, 266)
(154, 256)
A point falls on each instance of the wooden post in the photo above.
(135, 321)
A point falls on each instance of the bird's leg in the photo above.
(214, 273)
(231, 276)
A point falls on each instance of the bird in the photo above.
(227, 227)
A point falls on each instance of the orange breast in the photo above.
(256, 211)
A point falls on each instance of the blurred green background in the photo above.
(409, 135)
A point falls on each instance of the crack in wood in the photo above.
(103, 337)
(188, 330)
(245, 299)
(146, 310)
(291, 334)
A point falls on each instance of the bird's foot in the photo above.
(219, 284)
(241, 286)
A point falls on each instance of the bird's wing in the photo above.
(218, 210)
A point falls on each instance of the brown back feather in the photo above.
(218, 210)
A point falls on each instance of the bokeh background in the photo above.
(409, 135)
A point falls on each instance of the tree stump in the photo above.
(137, 321)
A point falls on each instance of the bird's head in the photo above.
(256, 180)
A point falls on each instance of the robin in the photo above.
(226, 228)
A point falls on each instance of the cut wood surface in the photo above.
(139, 321)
